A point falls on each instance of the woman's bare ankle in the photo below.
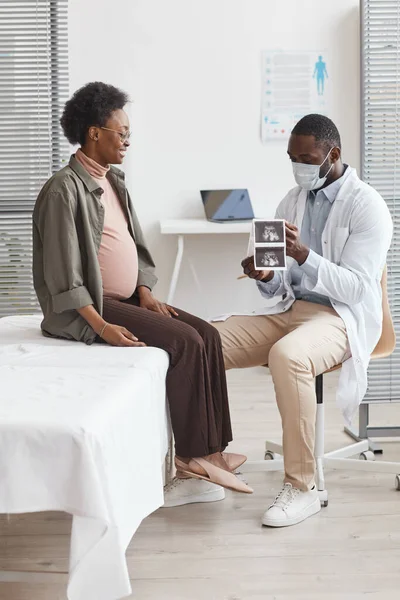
(183, 459)
(218, 460)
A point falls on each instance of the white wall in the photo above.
(192, 68)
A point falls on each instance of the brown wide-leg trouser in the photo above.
(196, 382)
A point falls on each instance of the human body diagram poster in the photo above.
(294, 84)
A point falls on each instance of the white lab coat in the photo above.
(355, 242)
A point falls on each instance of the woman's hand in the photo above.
(119, 336)
(112, 334)
(148, 301)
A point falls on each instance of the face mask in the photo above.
(307, 176)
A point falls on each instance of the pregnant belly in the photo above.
(118, 261)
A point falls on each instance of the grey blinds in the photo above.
(380, 78)
(33, 88)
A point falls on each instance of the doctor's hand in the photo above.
(294, 247)
(148, 301)
(250, 271)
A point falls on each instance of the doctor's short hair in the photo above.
(323, 129)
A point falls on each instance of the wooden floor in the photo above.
(350, 550)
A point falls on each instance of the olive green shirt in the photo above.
(68, 221)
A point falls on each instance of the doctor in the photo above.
(328, 309)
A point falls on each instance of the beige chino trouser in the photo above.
(297, 345)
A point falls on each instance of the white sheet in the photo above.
(83, 429)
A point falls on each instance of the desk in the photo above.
(182, 227)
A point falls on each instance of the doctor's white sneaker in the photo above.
(189, 491)
(291, 506)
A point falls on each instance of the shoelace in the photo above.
(285, 496)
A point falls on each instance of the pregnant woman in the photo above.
(93, 275)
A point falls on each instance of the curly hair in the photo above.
(323, 129)
(91, 105)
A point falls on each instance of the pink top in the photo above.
(117, 256)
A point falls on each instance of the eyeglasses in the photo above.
(124, 135)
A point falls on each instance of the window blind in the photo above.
(33, 89)
(380, 97)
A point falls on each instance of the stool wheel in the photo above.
(367, 455)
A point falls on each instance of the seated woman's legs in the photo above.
(196, 384)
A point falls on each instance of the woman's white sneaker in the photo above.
(291, 506)
(188, 491)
